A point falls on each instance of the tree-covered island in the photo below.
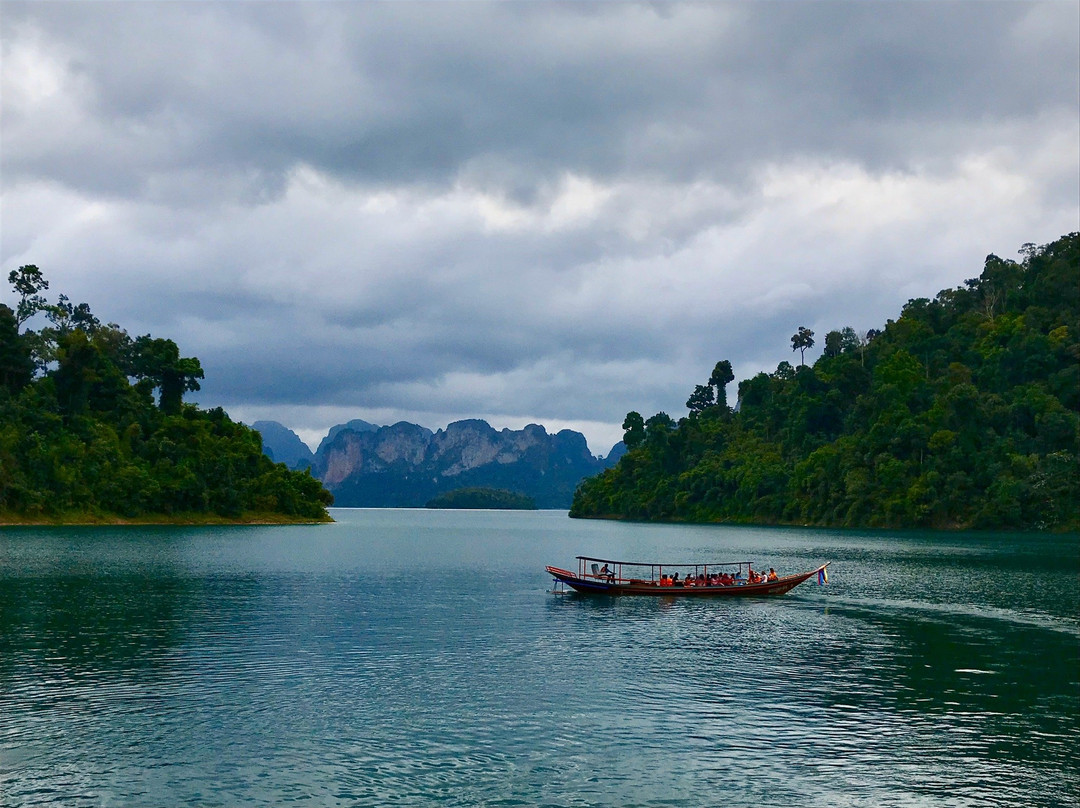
(82, 439)
(963, 412)
(490, 499)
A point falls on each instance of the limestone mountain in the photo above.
(405, 465)
(282, 445)
(356, 425)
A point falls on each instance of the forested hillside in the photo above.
(82, 439)
(963, 412)
(482, 499)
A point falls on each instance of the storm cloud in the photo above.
(547, 212)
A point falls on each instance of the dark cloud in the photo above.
(417, 92)
(524, 210)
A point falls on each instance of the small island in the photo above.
(492, 499)
(83, 441)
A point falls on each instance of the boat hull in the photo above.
(596, 586)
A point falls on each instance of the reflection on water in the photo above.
(418, 658)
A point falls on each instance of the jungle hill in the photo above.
(961, 413)
(93, 428)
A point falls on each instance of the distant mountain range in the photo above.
(406, 465)
(282, 445)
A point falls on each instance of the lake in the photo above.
(412, 657)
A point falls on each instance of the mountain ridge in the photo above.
(407, 465)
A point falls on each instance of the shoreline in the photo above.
(949, 528)
(156, 520)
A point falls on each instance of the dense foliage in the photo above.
(961, 413)
(81, 436)
(483, 499)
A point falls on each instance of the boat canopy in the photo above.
(651, 571)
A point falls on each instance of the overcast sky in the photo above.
(522, 211)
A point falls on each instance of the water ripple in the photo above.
(241, 670)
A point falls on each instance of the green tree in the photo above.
(659, 425)
(67, 317)
(701, 399)
(834, 344)
(849, 339)
(159, 361)
(800, 341)
(28, 283)
(721, 377)
(80, 367)
(633, 430)
(16, 366)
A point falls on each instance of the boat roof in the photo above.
(665, 563)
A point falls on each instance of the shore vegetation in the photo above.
(964, 412)
(94, 429)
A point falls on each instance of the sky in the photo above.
(527, 212)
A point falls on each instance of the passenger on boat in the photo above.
(665, 580)
(606, 573)
(772, 575)
(726, 579)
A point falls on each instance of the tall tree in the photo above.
(28, 283)
(834, 344)
(16, 366)
(701, 399)
(633, 430)
(802, 340)
(849, 339)
(66, 317)
(658, 427)
(159, 361)
(721, 377)
(79, 369)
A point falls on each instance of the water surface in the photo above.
(404, 657)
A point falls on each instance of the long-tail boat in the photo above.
(600, 576)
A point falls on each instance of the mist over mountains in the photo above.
(406, 465)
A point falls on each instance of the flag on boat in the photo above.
(822, 577)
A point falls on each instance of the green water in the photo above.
(419, 658)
